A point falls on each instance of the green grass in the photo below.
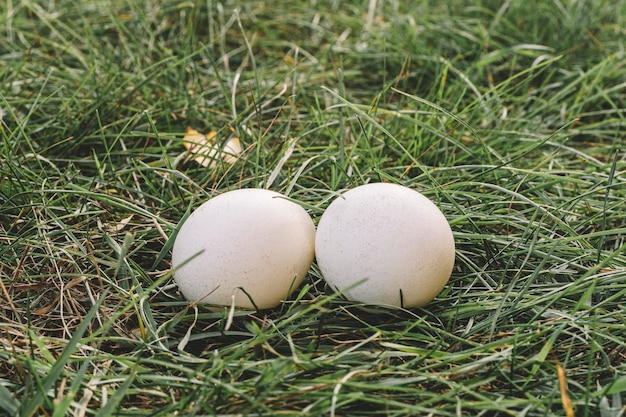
(510, 116)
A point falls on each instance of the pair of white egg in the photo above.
(379, 243)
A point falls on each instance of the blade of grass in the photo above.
(33, 401)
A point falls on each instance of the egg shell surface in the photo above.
(392, 238)
(251, 244)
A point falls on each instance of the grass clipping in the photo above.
(207, 152)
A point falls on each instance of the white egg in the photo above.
(251, 244)
(385, 244)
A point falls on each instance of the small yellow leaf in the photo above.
(232, 150)
(206, 151)
(565, 399)
(193, 137)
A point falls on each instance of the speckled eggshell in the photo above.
(249, 243)
(390, 236)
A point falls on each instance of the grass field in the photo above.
(510, 116)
